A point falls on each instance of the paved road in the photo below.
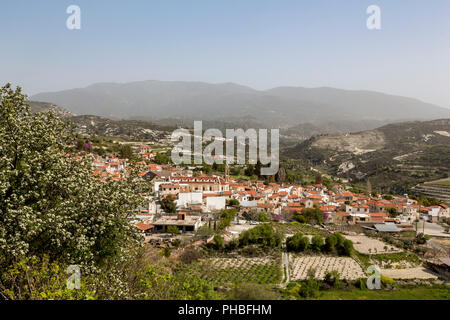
(285, 265)
(432, 229)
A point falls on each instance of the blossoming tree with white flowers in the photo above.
(50, 202)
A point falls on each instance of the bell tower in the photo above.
(227, 172)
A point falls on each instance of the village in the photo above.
(186, 205)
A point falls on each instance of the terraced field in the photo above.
(347, 267)
(223, 271)
(409, 273)
(364, 244)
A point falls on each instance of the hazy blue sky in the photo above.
(258, 43)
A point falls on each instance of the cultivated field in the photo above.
(366, 245)
(241, 269)
(347, 267)
(409, 273)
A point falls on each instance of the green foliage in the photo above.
(241, 272)
(317, 243)
(421, 238)
(389, 258)
(54, 213)
(333, 278)
(232, 202)
(226, 216)
(161, 159)
(232, 245)
(297, 243)
(334, 243)
(310, 287)
(264, 235)
(166, 252)
(169, 205)
(204, 232)
(296, 227)
(254, 215)
(330, 243)
(309, 215)
(173, 230)
(338, 244)
(406, 293)
(294, 288)
(126, 152)
(361, 283)
(346, 249)
(218, 242)
(263, 217)
(392, 212)
(40, 279)
(387, 281)
(428, 201)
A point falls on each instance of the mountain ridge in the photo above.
(277, 107)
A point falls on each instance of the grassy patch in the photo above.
(419, 293)
(397, 257)
(387, 258)
(295, 227)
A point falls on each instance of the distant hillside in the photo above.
(37, 106)
(393, 157)
(279, 107)
(439, 189)
(364, 105)
(307, 130)
(127, 129)
(95, 125)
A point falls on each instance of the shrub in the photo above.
(232, 202)
(387, 281)
(421, 239)
(330, 243)
(189, 255)
(40, 279)
(169, 205)
(339, 239)
(232, 245)
(226, 216)
(295, 289)
(298, 243)
(310, 287)
(317, 243)
(165, 252)
(218, 242)
(336, 242)
(176, 243)
(361, 283)
(333, 278)
(346, 248)
(310, 215)
(173, 230)
(265, 235)
(303, 244)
